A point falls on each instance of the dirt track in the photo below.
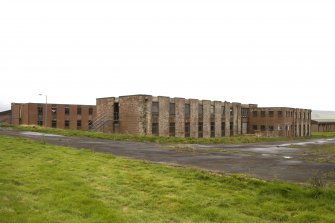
(263, 160)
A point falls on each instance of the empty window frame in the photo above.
(53, 124)
(271, 113)
(39, 110)
(200, 110)
(154, 108)
(187, 110)
(90, 124)
(90, 110)
(155, 129)
(244, 112)
(254, 113)
(212, 110)
(222, 110)
(172, 109)
(254, 127)
(78, 110)
(200, 130)
(262, 113)
(212, 129)
(39, 122)
(67, 109)
(271, 128)
(223, 128)
(280, 113)
(67, 124)
(187, 129)
(172, 129)
(263, 128)
(78, 124)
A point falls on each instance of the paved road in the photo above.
(263, 160)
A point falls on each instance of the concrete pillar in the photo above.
(218, 120)
(163, 115)
(236, 118)
(180, 117)
(194, 118)
(207, 118)
(227, 118)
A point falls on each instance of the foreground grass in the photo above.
(157, 139)
(323, 134)
(45, 183)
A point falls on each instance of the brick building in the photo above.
(6, 116)
(164, 116)
(54, 115)
(323, 125)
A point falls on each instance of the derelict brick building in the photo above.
(164, 116)
(63, 116)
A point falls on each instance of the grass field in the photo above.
(45, 183)
(164, 139)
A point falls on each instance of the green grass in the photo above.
(46, 183)
(320, 153)
(158, 139)
(323, 134)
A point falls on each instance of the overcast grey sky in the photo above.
(272, 53)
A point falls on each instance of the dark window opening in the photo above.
(244, 112)
(116, 111)
(262, 127)
(155, 129)
(212, 109)
(40, 110)
(254, 113)
(262, 113)
(271, 113)
(231, 128)
(66, 124)
(78, 124)
(172, 109)
(254, 127)
(200, 110)
(200, 130)
(90, 124)
(271, 128)
(53, 124)
(222, 110)
(172, 129)
(212, 129)
(78, 110)
(90, 111)
(39, 122)
(67, 109)
(280, 114)
(231, 111)
(154, 108)
(223, 128)
(187, 110)
(187, 129)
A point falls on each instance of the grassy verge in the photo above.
(157, 139)
(318, 153)
(323, 134)
(45, 183)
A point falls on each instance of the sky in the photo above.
(270, 53)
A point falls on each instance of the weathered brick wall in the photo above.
(194, 118)
(135, 113)
(217, 112)
(104, 114)
(163, 115)
(180, 116)
(227, 118)
(207, 118)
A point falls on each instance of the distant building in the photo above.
(63, 116)
(323, 125)
(164, 116)
(6, 116)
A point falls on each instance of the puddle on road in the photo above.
(39, 134)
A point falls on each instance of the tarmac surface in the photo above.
(269, 161)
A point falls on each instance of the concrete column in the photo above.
(236, 118)
(194, 118)
(207, 118)
(147, 116)
(239, 118)
(163, 117)
(180, 117)
(218, 120)
(227, 118)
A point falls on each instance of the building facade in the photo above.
(164, 116)
(63, 116)
(323, 125)
(6, 116)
